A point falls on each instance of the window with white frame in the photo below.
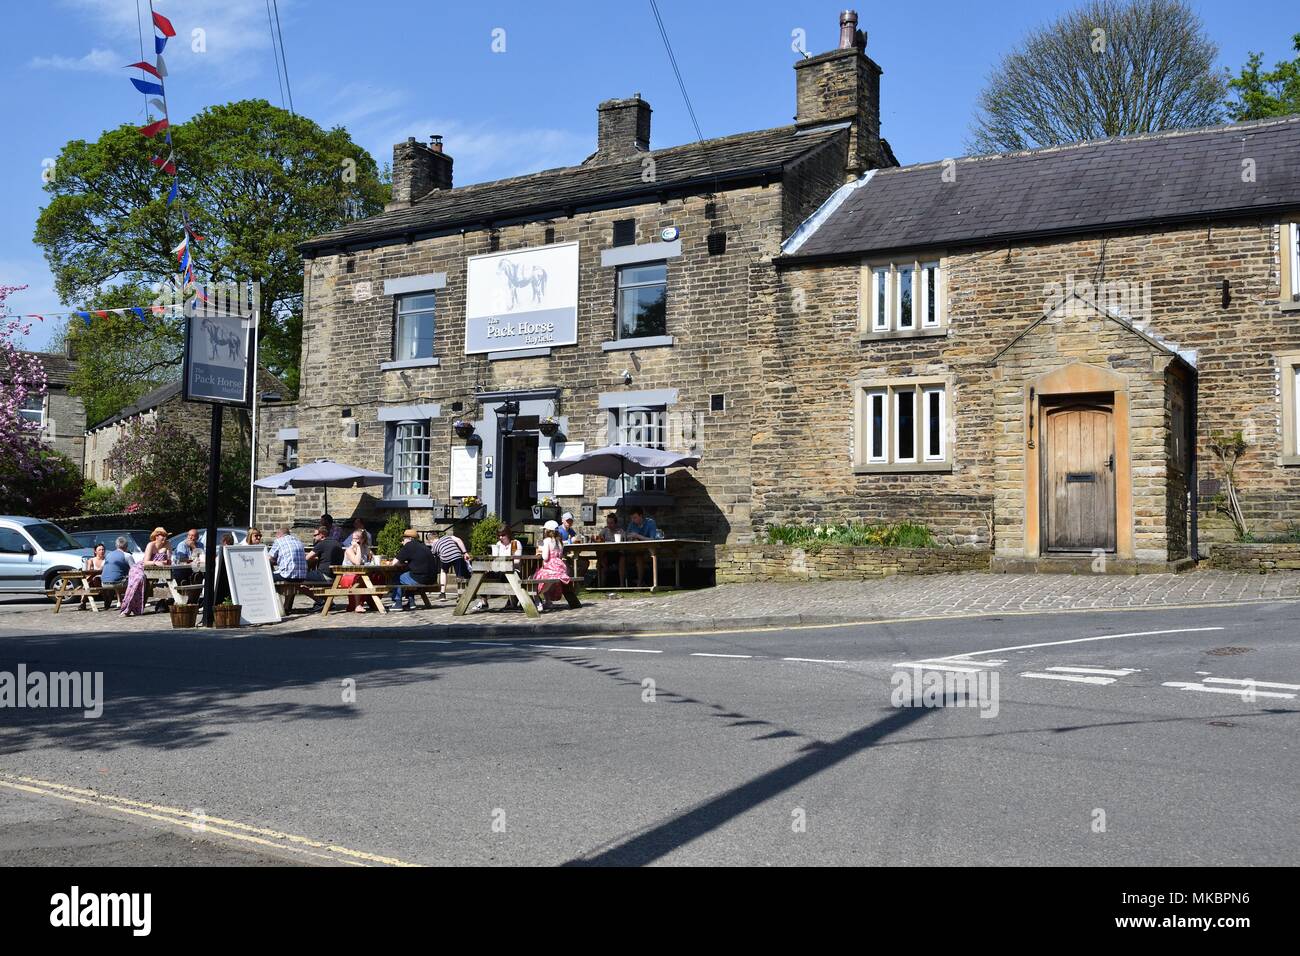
(290, 457)
(643, 427)
(411, 460)
(33, 410)
(904, 296)
(414, 327)
(1294, 232)
(642, 300)
(902, 426)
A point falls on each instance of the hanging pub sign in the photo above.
(522, 299)
(218, 368)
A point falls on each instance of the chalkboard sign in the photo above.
(248, 568)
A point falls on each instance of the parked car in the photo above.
(239, 535)
(136, 540)
(34, 551)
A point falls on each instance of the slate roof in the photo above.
(730, 158)
(1192, 175)
(58, 367)
(142, 404)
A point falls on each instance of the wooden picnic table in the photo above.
(500, 577)
(163, 579)
(78, 584)
(670, 547)
(369, 590)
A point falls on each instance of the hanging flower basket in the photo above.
(226, 615)
(549, 427)
(463, 429)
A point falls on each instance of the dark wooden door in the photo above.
(1078, 455)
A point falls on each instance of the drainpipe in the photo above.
(1194, 489)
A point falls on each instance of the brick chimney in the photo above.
(622, 129)
(844, 86)
(418, 168)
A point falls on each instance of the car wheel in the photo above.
(51, 580)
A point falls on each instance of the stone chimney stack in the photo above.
(417, 169)
(843, 86)
(622, 128)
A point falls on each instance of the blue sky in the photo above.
(388, 69)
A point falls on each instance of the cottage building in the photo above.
(60, 414)
(629, 298)
(1034, 352)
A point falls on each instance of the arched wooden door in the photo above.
(1078, 480)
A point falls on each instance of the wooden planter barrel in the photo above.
(184, 615)
(226, 615)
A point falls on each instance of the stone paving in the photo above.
(739, 605)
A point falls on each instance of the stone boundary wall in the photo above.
(1255, 557)
(780, 562)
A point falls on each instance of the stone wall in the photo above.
(1226, 556)
(778, 562)
(803, 466)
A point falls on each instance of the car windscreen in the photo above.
(51, 537)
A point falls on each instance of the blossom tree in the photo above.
(22, 377)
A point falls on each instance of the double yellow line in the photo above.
(199, 822)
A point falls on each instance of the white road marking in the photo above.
(630, 650)
(1117, 672)
(811, 660)
(926, 666)
(1183, 685)
(1078, 640)
(1251, 683)
(1076, 678)
(564, 647)
(738, 656)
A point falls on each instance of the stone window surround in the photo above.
(612, 403)
(1289, 240)
(635, 255)
(391, 416)
(1288, 363)
(867, 333)
(405, 285)
(861, 464)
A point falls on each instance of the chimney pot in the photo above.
(848, 29)
(435, 143)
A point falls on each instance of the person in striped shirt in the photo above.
(453, 556)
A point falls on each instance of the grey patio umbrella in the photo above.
(326, 474)
(615, 461)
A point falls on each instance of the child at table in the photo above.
(355, 555)
(553, 573)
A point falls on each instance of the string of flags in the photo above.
(153, 85)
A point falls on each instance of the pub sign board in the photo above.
(218, 368)
(522, 299)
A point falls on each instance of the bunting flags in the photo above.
(86, 315)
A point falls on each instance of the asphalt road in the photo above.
(1132, 743)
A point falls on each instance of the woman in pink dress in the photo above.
(553, 573)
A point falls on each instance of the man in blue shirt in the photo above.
(288, 557)
(640, 527)
(118, 564)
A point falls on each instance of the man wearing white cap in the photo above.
(568, 533)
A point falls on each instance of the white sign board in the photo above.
(558, 486)
(522, 299)
(464, 471)
(248, 568)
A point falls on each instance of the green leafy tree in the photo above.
(163, 469)
(1108, 68)
(1260, 94)
(256, 181)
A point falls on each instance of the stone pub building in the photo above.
(1029, 353)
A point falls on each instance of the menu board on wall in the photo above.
(464, 471)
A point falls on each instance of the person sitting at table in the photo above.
(567, 532)
(359, 524)
(96, 561)
(507, 546)
(188, 549)
(553, 573)
(452, 556)
(326, 553)
(333, 530)
(356, 555)
(157, 553)
(640, 527)
(288, 557)
(137, 582)
(117, 565)
(254, 536)
(610, 563)
(421, 567)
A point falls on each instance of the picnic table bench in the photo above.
(670, 547)
(511, 584)
(81, 585)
